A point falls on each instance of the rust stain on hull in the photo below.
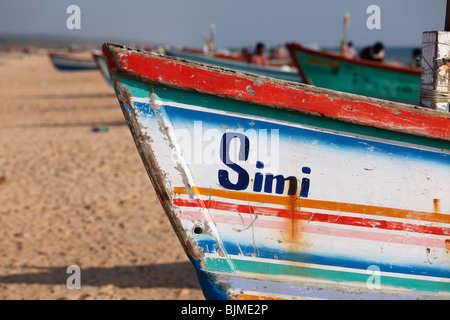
(436, 205)
(292, 234)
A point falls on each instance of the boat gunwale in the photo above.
(349, 102)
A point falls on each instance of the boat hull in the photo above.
(63, 63)
(357, 76)
(101, 65)
(271, 71)
(273, 203)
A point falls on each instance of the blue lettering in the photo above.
(259, 180)
(279, 188)
(304, 189)
(243, 177)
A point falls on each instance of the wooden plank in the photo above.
(435, 87)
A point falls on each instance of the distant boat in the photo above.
(281, 190)
(373, 79)
(284, 73)
(65, 62)
(101, 64)
(6, 55)
(274, 62)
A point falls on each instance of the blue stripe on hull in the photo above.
(335, 141)
(209, 246)
(180, 115)
(309, 291)
(211, 288)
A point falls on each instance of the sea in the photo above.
(402, 55)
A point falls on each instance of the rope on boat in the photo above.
(434, 95)
(439, 75)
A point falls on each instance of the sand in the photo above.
(71, 196)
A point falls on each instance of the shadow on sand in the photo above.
(167, 275)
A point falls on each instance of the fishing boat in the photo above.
(374, 79)
(65, 62)
(101, 65)
(282, 190)
(275, 62)
(279, 72)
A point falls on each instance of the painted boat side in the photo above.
(64, 63)
(357, 76)
(271, 71)
(246, 244)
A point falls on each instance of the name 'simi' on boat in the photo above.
(354, 205)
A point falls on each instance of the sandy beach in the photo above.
(72, 196)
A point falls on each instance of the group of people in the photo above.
(376, 53)
(258, 57)
(372, 53)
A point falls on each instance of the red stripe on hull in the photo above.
(317, 217)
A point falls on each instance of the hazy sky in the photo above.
(238, 22)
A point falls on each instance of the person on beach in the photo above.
(351, 51)
(246, 56)
(259, 58)
(348, 50)
(416, 58)
(373, 53)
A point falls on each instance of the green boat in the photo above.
(374, 79)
